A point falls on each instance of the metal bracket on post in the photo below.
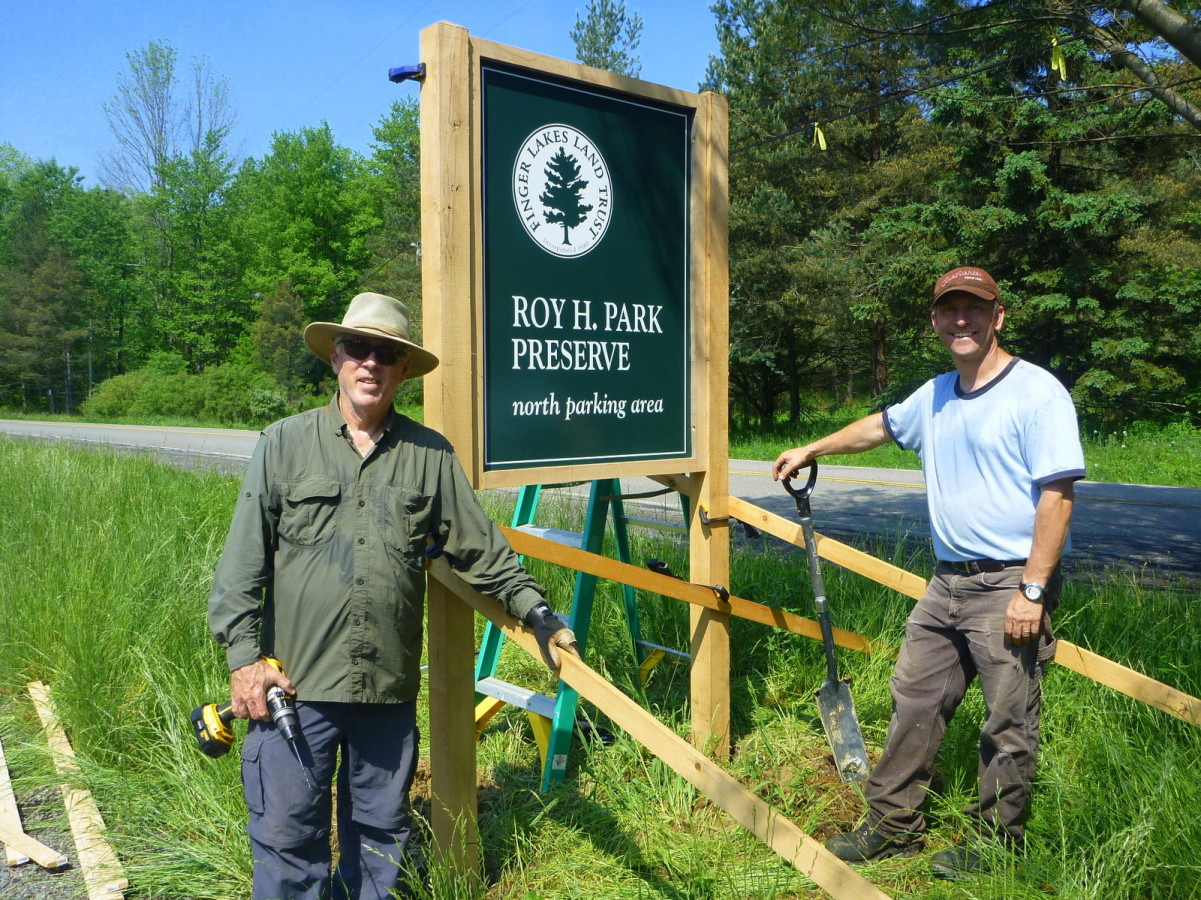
(407, 73)
(659, 567)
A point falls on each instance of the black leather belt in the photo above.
(976, 566)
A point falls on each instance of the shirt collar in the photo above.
(338, 422)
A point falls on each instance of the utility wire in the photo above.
(898, 96)
(879, 33)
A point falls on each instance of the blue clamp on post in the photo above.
(405, 73)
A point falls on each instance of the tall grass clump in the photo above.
(110, 560)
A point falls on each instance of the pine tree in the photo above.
(606, 38)
(562, 194)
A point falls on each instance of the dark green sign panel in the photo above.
(586, 274)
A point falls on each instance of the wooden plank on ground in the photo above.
(1084, 662)
(10, 817)
(102, 873)
(17, 841)
(800, 850)
(697, 594)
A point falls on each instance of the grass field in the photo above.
(108, 564)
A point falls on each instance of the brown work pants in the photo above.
(957, 633)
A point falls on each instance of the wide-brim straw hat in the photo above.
(372, 316)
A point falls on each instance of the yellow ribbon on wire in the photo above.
(1058, 63)
(819, 137)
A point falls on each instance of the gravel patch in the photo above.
(44, 818)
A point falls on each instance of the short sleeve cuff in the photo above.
(888, 430)
(1073, 474)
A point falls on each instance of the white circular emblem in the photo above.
(561, 189)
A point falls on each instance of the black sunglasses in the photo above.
(385, 354)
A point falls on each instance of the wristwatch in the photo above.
(1031, 591)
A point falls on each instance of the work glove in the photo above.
(552, 635)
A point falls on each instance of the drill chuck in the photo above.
(283, 713)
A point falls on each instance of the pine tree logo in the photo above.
(562, 191)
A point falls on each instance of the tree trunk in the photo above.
(1105, 41)
(879, 336)
(794, 383)
(1175, 28)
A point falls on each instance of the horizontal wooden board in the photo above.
(697, 594)
(1091, 665)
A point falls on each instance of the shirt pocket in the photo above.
(406, 518)
(308, 510)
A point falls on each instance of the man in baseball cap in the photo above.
(1000, 451)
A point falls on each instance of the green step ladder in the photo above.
(554, 732)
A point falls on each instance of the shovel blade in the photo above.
(837, 710)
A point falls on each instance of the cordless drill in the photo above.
(214, 736)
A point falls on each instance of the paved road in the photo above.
(1136, 525)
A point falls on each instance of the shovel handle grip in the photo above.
(801, 495)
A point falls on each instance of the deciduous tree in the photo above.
(153, 125)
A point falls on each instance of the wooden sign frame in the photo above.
(453, 265)
(453, 328)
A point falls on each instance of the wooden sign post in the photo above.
(575, 288)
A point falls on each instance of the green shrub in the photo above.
(267, 405)
(166, 362)
(225, 395)
(115, 397)
(166, 395)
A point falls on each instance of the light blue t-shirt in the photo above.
(985, 455)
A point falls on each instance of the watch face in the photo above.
(1033, 592)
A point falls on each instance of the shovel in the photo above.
(834, 700)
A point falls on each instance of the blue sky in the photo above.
(288, 64)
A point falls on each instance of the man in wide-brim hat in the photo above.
(323, 570)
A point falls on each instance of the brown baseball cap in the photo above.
(970, 280)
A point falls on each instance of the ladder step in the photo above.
(558, 535)
(668, 650)
(515, 695)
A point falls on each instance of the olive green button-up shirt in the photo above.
(323, 567)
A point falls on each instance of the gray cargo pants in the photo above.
(957, 633)
(289, 825)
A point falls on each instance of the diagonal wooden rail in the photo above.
(1091, 665)
(697, 594)
(771, 826)
(1071, 656)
